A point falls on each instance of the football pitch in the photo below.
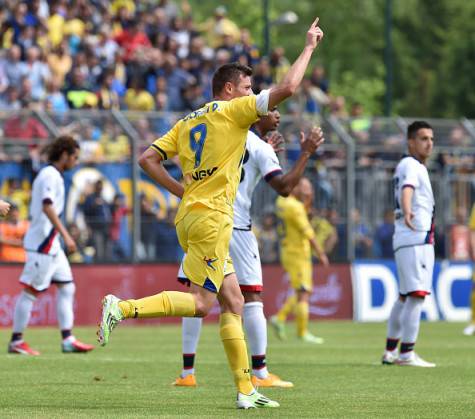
(131, 377)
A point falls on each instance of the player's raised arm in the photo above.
(293, 78)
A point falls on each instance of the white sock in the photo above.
(21, 315)
(191, 330)
(64, 305)
(410, 321)
(255, 325)
(394, 321)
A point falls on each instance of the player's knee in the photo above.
(252, 296)
(30, 292)
(67, 290)
(202, 307)
(236, 303)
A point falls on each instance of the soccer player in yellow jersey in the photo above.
(210, 144)
(470, 329)
(297, 241)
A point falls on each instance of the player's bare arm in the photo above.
(290, 83)
(151, 163)
(4, 207)
(322, 256)
(58, 225)
(406, 203)
(309, 144)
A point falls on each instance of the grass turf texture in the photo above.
(131, 377)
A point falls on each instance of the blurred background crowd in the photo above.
(114, 72)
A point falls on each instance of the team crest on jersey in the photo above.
(210, 262)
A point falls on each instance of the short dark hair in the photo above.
(416, 126)
(229, 73)
(60, 145)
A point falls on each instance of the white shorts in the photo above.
(244, 253)
(415, 266)
(41, 270)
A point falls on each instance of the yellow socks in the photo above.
(301, 318)
(165, 304)
(232, 335)
(287, 308)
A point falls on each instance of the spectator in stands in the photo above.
(338, 107)
(84, 251)
(262, 77)
(25, 127)
(12, 27)
(55, 99)
(360, 125)
(77, 92)
(10, 100)
(219, 25)
(383, 237)
(28, 38)
(108, 98)
(55, 23)
(177, 79)
(148, 221)
(310, 98)
(133, 40)
(167, 247)
(19, 196)
(267, 238)
(98, 219)
(318, 79)
(119, 211)
(361, 235)
(60, 62)
(12, 232)
(137, 98)
(37, 72)
(247, 48)
(12, 66)
(114, 144)
(106, 47)
(279, 63)
(459, 234)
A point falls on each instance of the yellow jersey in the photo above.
(471, 222)
(294, 227)
(210, 143)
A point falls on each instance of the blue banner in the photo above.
(375, 288)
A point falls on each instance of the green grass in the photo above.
(131, 377)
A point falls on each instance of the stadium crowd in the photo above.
(97, 55)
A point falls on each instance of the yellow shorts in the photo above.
(204, 235)
(300, 271)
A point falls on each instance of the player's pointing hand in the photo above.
(314, 35)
